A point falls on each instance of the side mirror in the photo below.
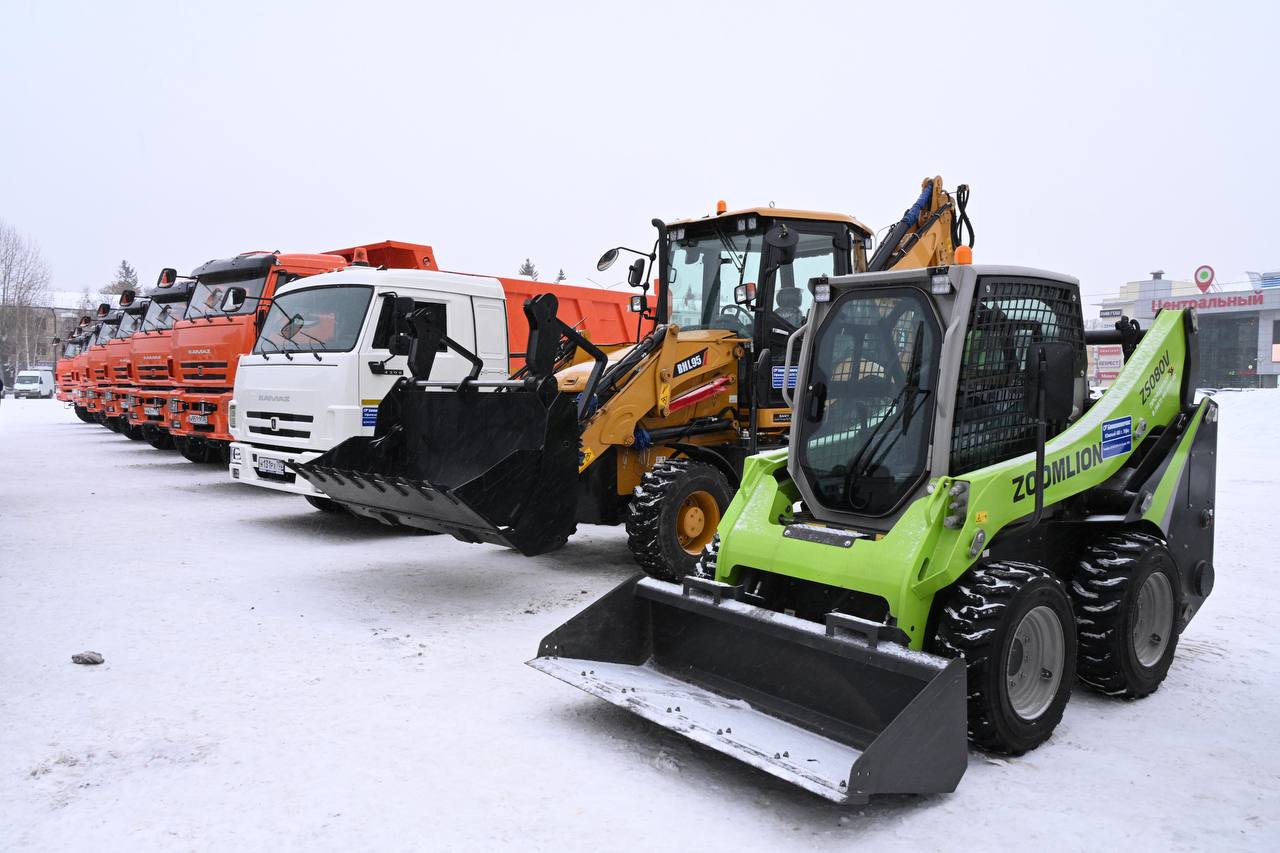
(401, 324)
(400, 343)
(1051, 368)
(57, 340)
(635, 274)
(127, 297)
(639, 304)
(233, 300)
(103, 309)
(785, 240)
(167, 277)
(745, 294)
(292, 327)
(607, 259)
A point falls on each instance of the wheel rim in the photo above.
(696, 521)
(1033, 668)
(1153, 621)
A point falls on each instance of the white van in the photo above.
(34, 383)
(322, 363)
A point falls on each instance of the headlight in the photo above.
(175, 405)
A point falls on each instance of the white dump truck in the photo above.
(324, 356)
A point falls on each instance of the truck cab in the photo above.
(120, 374)
(324, 360)
(154, 370)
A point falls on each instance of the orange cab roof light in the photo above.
(360, 257)
(964, 255)
(721, 207)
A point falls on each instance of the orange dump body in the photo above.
(602, 315)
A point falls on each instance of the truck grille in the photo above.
(120, 372)
(153, 372)
(279, 424)
(208, 371)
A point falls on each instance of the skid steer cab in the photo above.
(954, 535)
(652, 434)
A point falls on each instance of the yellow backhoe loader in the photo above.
(652, 434)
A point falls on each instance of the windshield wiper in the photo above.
(265, 340)
(903, 406)
(312, 349)
(732, 249)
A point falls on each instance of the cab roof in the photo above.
(449, 282)
(781, 213)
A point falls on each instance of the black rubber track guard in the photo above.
(498, 467)
(844, 712)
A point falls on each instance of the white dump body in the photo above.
(298, 395)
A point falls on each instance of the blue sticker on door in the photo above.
(369, 416)
(792, 374)
(1117, 437)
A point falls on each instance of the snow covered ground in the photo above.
(277, 678)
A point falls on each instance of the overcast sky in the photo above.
(1101, 140)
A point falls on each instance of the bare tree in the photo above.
(24, 282)
(126, 278)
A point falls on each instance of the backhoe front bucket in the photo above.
(842, 712)
(496, 467)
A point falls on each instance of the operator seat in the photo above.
(789, 300)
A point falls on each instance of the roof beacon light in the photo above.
(721, 207)
(964, 255)
(360, 257)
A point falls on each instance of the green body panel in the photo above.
(919, 556)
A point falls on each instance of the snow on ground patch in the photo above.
(276, 677)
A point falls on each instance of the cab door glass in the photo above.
(815, 257)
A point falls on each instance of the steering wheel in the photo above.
(742, 315)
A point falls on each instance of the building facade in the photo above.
(1239, 325)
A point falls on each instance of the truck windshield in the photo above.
(703, 272)
(319, 319)
(866, 417)
(160, 315)
(128, 325)
(206, 299)
(105, 333)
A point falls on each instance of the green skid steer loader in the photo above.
(955, 533)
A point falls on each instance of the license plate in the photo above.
(271, 466)
(198, 420)
(153, 411)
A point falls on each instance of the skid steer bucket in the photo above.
(496, 467)
(842, 711)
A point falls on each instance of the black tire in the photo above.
(192, 449)
(133, 432)
(83, 414)
(666, 493)
(1106, 592)
(218, 452)
(978, 624)
(324, 504)
(157, 438)
(705, 567)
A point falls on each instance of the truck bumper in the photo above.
(249, 465)
(150, 407)
(209, 412)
